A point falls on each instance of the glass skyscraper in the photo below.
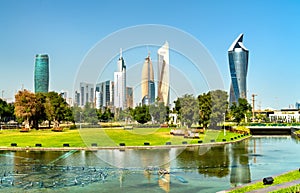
(148, 86)
(41, 73)
(238, 64)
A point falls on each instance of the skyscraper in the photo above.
(41, 73)
(120, 84)
(148, 87)
(86, 94)
(163, 74)
(104, 94)
(238, 64)
(129, 97)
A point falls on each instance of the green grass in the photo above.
(287, 177)
(47, 138)
(104, 137)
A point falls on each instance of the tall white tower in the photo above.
(120, 84)
(163, 74)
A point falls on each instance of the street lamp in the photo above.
(224, 130)
(80, 119)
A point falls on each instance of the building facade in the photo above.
(41, 73)
(120, 84)
(129, 97)
(163, 89)
(238, 64)
(285, 116)
(104, 94)
(86, 94)
(147, 84)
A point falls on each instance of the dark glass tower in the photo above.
(238, 65)
(41, 73)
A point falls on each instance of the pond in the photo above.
(193, 169)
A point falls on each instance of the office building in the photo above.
(41, 73)
(86, 94)
(104, 94)
(238, 64)
(148, 86)
(77, 99)
(120, 84)
(163, 89)
(129, 97)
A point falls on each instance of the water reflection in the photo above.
(240, 170)
(200, 168)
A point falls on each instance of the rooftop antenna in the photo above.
(120, 52)
(148, 51)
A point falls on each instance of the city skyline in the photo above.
(67, 37)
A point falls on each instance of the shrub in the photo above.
(72, 127)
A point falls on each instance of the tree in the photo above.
(240, 110)
(25, 106)
(90, 114)
(205, 109)
(56, 108)
(219, 106)
(189, 109)
(125, 115)
(77, 112)
(141, 114)
(106, 115)
(40, 112)
(158, 111)
(6, 111)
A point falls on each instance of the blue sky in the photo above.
(67, 30)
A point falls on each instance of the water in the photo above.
(197, 169)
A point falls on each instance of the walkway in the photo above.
(268, 188)
(276, 187)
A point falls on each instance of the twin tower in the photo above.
(148, 85)
(147, 82)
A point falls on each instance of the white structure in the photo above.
(285, 115)
(86, 94)
(163, 74)
(120, 84)
(65, 95)
(104, 94)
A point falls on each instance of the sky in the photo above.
(68, 30)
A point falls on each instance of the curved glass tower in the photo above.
(163, 74)
(148, 86)
(41, 73)
(238, 65)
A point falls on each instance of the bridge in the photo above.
(273, 130)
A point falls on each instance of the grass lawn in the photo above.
(287, 177)
(104, 137)
(47, 138)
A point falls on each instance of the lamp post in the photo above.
(80, 119)
(224, 130)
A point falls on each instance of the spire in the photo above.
(238, 43)
(120, 52)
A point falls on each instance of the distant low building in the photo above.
(285, 116)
